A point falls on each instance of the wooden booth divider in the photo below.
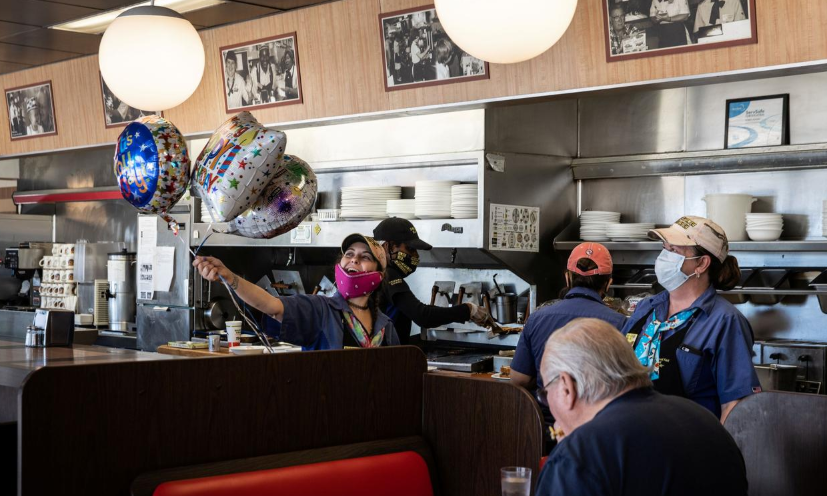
(94, 428)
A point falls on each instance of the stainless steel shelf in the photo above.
(472, 337)
(790, 157)
(770, 291)
(772, 246)
(331, 234)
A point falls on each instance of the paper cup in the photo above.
(233, 332)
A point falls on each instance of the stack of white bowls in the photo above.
(367, 202)
(404, 209)
(205, 213)
(764, 227)
(464, 201)
(593, 224)
(433, 199)
(629, 232)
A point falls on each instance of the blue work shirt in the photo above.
(314, 322)
(715, 361)
(645, 443)
(578, 303)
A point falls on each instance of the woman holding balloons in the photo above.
(350, 318)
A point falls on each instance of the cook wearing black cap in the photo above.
(401, 242)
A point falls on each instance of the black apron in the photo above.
(669, 379)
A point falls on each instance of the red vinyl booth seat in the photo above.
(401, 474)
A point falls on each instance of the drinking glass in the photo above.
(516, 481)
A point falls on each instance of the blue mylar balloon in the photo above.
(152, 164)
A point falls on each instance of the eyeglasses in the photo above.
(542, 392)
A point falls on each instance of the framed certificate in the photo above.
(757, 121)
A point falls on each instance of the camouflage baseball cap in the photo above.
(695, 231)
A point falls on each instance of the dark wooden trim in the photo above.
(145, 484)
(119, 420)
(409, 86)
(475, 427)
(783, 439)
(298, 100)
(673, 50)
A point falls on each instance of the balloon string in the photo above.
(253, 325)
(233, 295)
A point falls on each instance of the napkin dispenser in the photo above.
(58, 326)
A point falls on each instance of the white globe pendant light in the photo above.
(151, 58)
(505, 32)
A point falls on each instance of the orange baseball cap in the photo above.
(595, 252)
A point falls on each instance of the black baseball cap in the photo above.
(400, 230)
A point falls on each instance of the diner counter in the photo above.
(17, 360)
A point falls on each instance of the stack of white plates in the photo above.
(593, 224)
(764, 227)
(824, 219)
(367, 202)
(433, 199)
(405, 209)
(205, 212)
(629, 232)
(464, 201)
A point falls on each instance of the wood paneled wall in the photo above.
(340, 56)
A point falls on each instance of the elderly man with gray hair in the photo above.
(618, 435)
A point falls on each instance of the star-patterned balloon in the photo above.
(235, 166)
(152, 165)
(287, 199)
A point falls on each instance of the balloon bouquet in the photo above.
(244, 178)
(242, 175)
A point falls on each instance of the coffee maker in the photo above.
(24, 264)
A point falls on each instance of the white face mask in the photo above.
(668, 269)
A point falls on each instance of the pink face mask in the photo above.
(357, 284)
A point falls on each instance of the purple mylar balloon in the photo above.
(284, 203)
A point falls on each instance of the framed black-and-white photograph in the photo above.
(418, 52)
(31, 111)
(117, 113)
(644, 28)
(757, 121)
(261, 73)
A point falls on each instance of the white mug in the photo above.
(68, 289)
(45, 261)
(47, 302)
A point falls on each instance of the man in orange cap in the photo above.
(588, 275)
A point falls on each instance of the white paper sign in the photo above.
(164, 268)
(147, 241)
(302, 234)
(116, 271)
(513, 228)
